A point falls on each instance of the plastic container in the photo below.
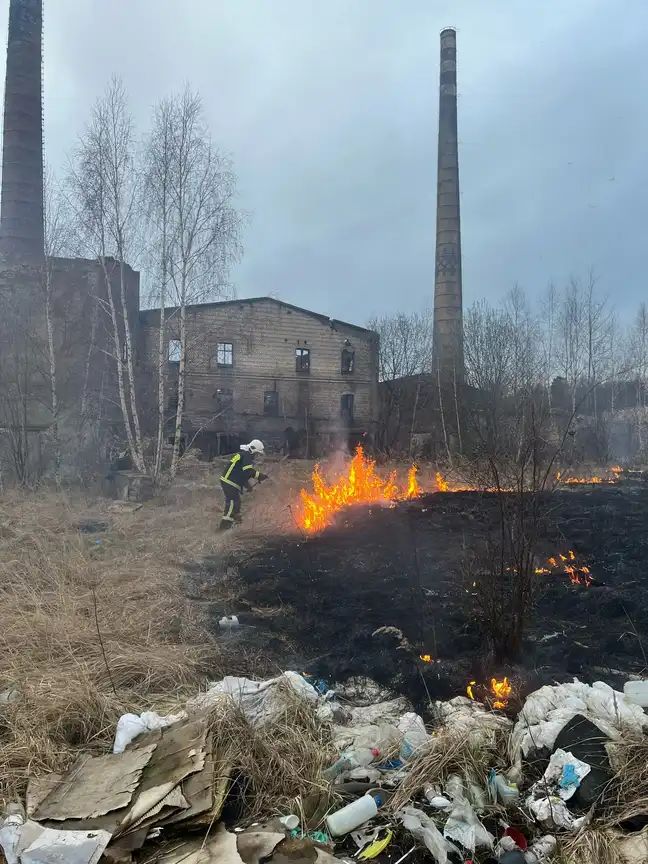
(350, 759)
(507, 792)
(352, 816)
(454, 787)
(637, 692)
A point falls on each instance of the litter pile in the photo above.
(351, 773)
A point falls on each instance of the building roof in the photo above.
(323, 319)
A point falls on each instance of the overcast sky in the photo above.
(330, 110)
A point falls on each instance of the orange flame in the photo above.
(578, 574)
(426, 658)
(501, 691)
(469, 690)
(615, 473)
(361, 485)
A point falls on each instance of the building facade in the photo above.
(261, 368)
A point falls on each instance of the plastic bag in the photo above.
(547, 711)
(130, 726)
(422, 827)
(565, 772)
(464, 827)
(260, 701)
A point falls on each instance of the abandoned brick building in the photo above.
(255, 368)
(263, 368)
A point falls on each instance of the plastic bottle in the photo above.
(414, 735)
(454, 787)
(507, 792)
(541, 850)
(358, 758)
(352, 816)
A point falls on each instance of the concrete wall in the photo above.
(265, 334)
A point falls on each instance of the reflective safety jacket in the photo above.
(240, 470)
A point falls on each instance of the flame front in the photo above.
(501, 692)
(361, 485)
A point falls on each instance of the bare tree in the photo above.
(195, 226)
(105, 186)
(404, 359)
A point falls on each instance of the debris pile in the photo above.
(351, 772)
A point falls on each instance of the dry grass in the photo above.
(451, 753)
(627, 796)
(592, 846)
(58, 587)
(281, 762)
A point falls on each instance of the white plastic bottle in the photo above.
(350, 759)
(352, 816)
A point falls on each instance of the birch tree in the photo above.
(195, 227)
(104, 183)
(57, 242)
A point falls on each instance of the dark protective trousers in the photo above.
(232, 505)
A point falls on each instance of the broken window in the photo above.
(224, 354)
(175, 350)
(348, 361)
(346, 408)
(302, 359)
(224, 399)
(271, 403)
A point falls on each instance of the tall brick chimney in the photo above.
(448, 305)
(22, 223)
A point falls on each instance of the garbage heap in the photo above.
(290, 769)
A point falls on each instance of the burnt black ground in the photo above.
(313, 604)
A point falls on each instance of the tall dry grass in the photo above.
(93, 624)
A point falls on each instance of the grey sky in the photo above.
(330, 110)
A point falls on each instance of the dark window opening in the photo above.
(172, 402)
(346, 408)
(224, 354)
(175, 350)
(271, 403)
(302, 359)
(348, 361)
(224, 399)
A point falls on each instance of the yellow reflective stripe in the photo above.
(228, 515)
(235, 459)
(231, 483)
(251, 468)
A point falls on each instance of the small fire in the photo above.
(497, 696)
(501, 691)
(413, 488)
(426, 658)
(361, 485)
(444, 486)
(578, 573)
(615, 473)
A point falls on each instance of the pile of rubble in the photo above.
(474, 786)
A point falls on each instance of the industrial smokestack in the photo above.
(22, 228)
(448, 316)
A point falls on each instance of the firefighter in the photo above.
(235, 479)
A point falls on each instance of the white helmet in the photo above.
(256, 446)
